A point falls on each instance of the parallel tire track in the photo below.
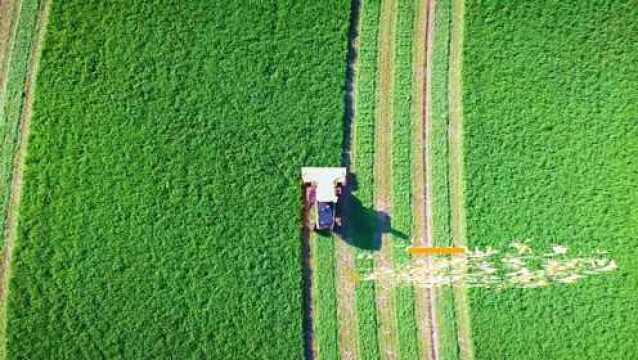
(422, 180)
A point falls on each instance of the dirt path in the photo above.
(422, 207)
(386, 307)
(430, 294)
(8, 10)
(344, 253)
(346, 314)
(11, 226)
(457, 203)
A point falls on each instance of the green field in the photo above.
(551, 157)
(159, 210)
(160, 216)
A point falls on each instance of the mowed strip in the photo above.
(362, 221)
(385, 300)
(408, 341)
(447, 343)
(457, 201)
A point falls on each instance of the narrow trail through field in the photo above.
(457, 202)
(10, 231)
(382, 178)
(7, 30)
(422, 178)
(344, 253)
(418, 167)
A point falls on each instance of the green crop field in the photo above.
(152, 172)
(160, 216)
(551, 157)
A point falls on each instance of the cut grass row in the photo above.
(456, 178)
(401, 175)
(552, 158)
(385, 299)
(438, 161)
(152, 224)
(12, 93)
(363, 160)
(324, 296)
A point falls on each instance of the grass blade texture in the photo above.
(160, 217)
(552, 158)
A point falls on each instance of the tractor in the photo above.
(324, 187)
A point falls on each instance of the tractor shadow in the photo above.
(364, 226)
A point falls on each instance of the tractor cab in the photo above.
(324, 187)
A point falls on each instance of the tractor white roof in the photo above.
(325, 180)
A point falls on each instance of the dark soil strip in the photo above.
(348, 97)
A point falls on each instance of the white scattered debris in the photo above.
(488, 268)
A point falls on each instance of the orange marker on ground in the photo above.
(429, 250)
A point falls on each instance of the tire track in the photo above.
(422, 184)
(430, 294)
(11, 225)
(418, 168)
